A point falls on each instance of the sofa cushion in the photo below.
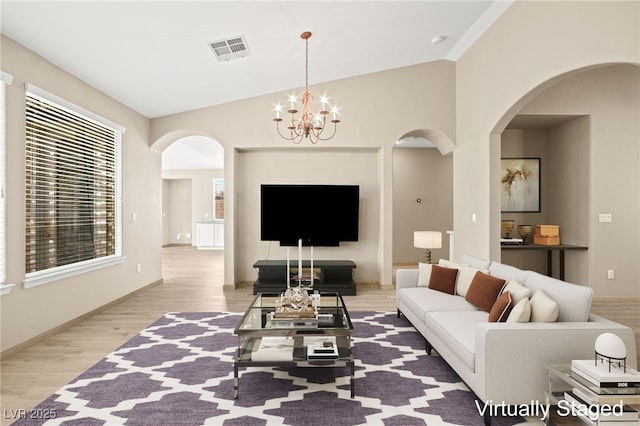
(484, 290)
(543, 308)
(521, 311)
(424, 274)
(475, 262)
(457, 330)
(501, 308)
(518, 291)
(465, 275)
(574, 301)
(422, 299)
(443, 279)
(507, 272)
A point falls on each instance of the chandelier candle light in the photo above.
(308, 125)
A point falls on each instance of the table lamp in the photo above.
(427, 240)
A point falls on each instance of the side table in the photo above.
(562, 379)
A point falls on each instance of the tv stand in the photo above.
(335, 276)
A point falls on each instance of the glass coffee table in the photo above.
(323, 340)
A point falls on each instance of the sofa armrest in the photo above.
(406, 278)
(511, 357)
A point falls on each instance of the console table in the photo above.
(335, 276)
(549, 249)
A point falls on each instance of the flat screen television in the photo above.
(320, 215)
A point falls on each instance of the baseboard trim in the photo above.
(7, 353)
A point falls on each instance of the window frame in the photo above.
(45, 276)
(5, 80)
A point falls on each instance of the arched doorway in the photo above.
(583, 126)
(193, 189)
(422, 192)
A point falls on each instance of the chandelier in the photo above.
(308, 124)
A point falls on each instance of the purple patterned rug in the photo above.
(179, 371)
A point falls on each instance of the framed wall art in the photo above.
(520, 185)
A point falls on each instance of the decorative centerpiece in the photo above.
(507, 227)
(295, 302)
(525, 231)
(610, 348)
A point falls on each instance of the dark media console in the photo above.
(334, 276)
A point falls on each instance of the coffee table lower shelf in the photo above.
(336, 363)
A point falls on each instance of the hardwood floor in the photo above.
(193, 282)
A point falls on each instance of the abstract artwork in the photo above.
(520, 184)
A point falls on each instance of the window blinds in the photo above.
(72, 186)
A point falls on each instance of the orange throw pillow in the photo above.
(443, 279)
(501, 309)
(484, 290)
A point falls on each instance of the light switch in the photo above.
(605, 218)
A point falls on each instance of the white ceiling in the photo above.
(153, 56)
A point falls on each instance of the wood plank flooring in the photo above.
(193, 282)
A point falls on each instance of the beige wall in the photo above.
(532, 45)
(177, 225)
(426, 174)
(564, 193)
(195, 202)
(330, 167)
(26, 313)
(378, 109)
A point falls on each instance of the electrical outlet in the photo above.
(610, 274)
(139, 267)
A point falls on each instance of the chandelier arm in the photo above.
(294, 135)
(335, 127)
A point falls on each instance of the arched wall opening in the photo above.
(422, 193)
(583, 127)
(192, 191)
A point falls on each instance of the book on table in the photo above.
(274, 348)
(321, 347)
(606, 375)
(584, 406)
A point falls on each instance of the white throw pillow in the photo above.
(518, 291)
(465, 276)
(449, 264)
(521, 312)
(543, 308)
(475, 262)
(424, 274)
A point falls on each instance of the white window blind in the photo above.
(73, 184)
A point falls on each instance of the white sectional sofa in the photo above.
(504, 361)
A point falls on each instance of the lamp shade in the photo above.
(427, 239)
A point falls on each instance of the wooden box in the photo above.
(547, 230)
(546, 240)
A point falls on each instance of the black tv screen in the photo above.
(320, 215)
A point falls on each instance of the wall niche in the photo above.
(562, 144)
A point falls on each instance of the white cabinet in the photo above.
(218, 237)
(210, 235)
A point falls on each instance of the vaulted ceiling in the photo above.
(154, 56)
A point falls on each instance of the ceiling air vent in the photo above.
(230, 48)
